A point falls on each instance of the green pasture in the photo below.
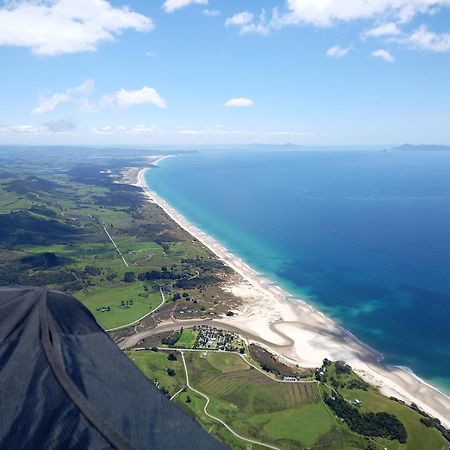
(97, 297)
(154, 366)
(187, 339)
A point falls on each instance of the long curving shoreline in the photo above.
(299, 333)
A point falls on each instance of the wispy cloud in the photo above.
(55, 27)
(384, 55)
(211, 12)
(172, 5)
(239, 102)
(248, 23)
(384, 29)
(80, 97)
(337, 51)
(77, 95)
(60, 126)
(424, 39)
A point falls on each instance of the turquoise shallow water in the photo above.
(363, 235)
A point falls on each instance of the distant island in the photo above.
(423, 148)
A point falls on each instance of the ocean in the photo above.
(363, 235)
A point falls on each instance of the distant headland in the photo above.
(423, 148)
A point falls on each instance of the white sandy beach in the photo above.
(299, 333)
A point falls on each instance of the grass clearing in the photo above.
(187, 339)
(305, 425)
(98, 297)
(154, 366)
(226, 362)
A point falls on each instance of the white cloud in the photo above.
(20, 129)
(239, 102)
(75, 94)
(240, 19)
(324, 13)
(386, 17)
(385, 29)
(211, 12)
(384, 55)
(124, 98)
(48, 104)
(80, 96)
(337, 51)
(55, 27)
(424, 39)
(172, 5)
(247, 23)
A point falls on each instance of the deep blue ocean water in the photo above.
(362, 235)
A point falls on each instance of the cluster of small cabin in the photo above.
(214, 339)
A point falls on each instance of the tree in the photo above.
(129, 277)
(188, 399)
(172, 357)
(171, 372)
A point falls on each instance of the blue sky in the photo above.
(225, 72)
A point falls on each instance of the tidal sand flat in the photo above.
(300, 333)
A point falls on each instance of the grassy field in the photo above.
(226, 362)
(97, 297)
(187, 339)
(305, 425)
(253, 404)
(154, 366)
(287, 415)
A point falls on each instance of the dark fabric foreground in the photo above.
(65, 385)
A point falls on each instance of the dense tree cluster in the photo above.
(158, 275)
(172, 339)
(379, 424)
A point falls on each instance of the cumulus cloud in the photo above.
(324, 13)
(55, 27)
(384, 55)
(239, 102)
(337, 51)
(124, 98)
(172, 5)
(387, 19)
(424, 39)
